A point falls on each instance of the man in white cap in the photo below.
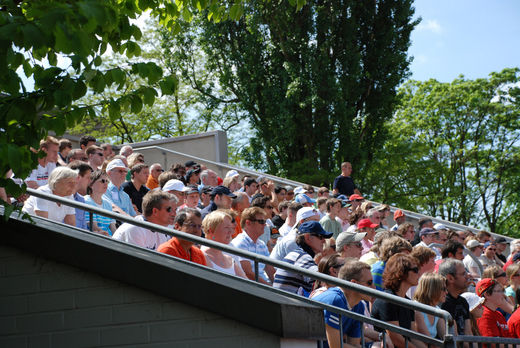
(177, 188)
(473, 264)
(348, 244)
(121, 203)
(288, 243)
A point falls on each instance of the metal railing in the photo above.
(448, 339)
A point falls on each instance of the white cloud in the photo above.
(430, 25)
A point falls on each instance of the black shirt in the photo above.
(345, 185)
(459, 310)
(387, 311)
(135, 196)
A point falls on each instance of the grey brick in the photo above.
(50, 301)
(225, 328)
(76, 338)
(136, 313)
(64, 278)
(136, 295)
(174, 330)
(7, 325)
(130, 334)
(98, 297)
(13, 341)
(12, 305)
(162, 345)
(81, 318)
(177, 310)
(228, 342)
(16, 285)
(23, 264)
(40, 322)
(39, 341)
(9, 252)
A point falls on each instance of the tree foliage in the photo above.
(317, 85)
(454, 151)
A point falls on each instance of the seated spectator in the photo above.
(188, 220)
(502, 244)
(121, 203)
(135, 188)
(323, 192)
(193, 177)
(451, 249)
(204, 197)
(289, 196)
(304, 200)
(152, 181)
(488, 255)
(238, 205)
(164, 177)
(401, 272)
(328, 222)
(290, 221)
(407, 231)
(399, 219)
(492, 323)
(513, 275)
(84, 171)
(218, 227)
(279, 219)
(132, 160)
(310, 239)
(62, 182)
(328, 265)
(443, 232)
(484, 237)
(221, 198)
(157, 209)
(389, 247)
(358, 273)
(348, 244)
(265, 186)
(384, 213)
(368, 227)
(126, 151)
(107, 151)
(373, 255)
(278, 197)
(253, 221)
(95, 156)
(76, 155)
(86, 141)
(40, 176)
(475, 310)
(499, 275)
(356, 200)
(97, 187)
(208, 178)
(472, 264)
(428, 237)
(191, 200)
(425, 260)
(431, 291)
(64, 149)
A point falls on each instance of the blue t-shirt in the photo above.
(336, 297)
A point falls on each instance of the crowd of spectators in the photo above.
(337, 233)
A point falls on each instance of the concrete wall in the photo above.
(48, 304)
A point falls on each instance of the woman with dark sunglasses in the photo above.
(401, 272)
(95, 190)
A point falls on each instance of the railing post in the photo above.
(340, 331)
(256, 270)
(91, 220)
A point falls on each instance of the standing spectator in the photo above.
(135, 188)
(188, 220)
(95, 156)
(40, 176)
(328, 222)
(157, 209)
(152, 181)
(343, 184)
(457, 283)
(492, 323)
(472, 263)
(84, 171)
(431, 291)
(64, 149)
(86, 141)
(400, 274)
(96, 189)
(121, 203)
(253, 221)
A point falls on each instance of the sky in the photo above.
(468, 37)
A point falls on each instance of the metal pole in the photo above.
(340, 331)
(256, 270)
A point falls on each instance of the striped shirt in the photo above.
(294, 282)
(244, 242)
(103, 222)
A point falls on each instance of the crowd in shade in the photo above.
(473, 276)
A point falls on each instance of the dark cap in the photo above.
(222, 190)
(206, 189)
(191, 172)
(501, 240)
(426, 231)
(190, 163)
(192, 189)
(313, 227)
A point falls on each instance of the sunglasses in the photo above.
(103, 181)
(318, 236)
(501, 275)
(356, 244)
(413, 269)
(358, 200)
(159, 170)
(168, 209)
(260, 221)
(269, 207)
(193, 226)
(100, 154)
(338, 265)
(370, 282)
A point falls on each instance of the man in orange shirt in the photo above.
(187, 220)
(238, 205)
(155, 170)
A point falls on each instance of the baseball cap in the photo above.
(315, 228)
(473, 243)
(302, 198)
(298, 190)
(348, 237)
(473, 300)
(192, 189)
(174, 185)
(190, 163)
(289, 188)
(366, 223)
(206, 189)
(116, 163)
(440, 226)
(425, 231)
(306, 212)
(516, 257)
(232, 172)
(274, 232)
(342, 198)
(355, 196)
(483, 285)
(486, 244)
(398, 213)
(501, 240)
(222, 190)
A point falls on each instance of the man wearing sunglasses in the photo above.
(157, 209)
(95, 156)
(348, 244)
(356, 272)
(310, 239)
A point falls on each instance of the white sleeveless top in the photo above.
(230, 270)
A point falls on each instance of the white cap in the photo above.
(174, 185)
(298, 190)
(116, 163)
(473, 243)
(473, 300)
(306, 212)
(440, 227)
(232, 172)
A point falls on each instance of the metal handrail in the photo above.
(280, 264)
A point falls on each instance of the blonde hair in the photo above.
(429, 289)
(213, 219)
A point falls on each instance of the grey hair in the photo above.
(371, 212)
(61, 173)
(240, 198)
(153, 166)
(449, 266)
(125, 149)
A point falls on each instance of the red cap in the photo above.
(219, 180)
(483, 285)
(366, 223)
(398, 213)
(355, 196)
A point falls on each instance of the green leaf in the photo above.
(98, 61)
(137, 104)
(149, 95)
(186, 14)
(44, 77)
(114, 110)
(62, 98)
(118, 76)
(168, 85)
(80, 89)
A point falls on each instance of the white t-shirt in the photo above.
(471, 265)
(140, 236)
(41, 174)
(56, 212)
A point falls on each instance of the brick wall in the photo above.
(47, 304)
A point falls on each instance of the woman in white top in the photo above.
(218, 227)
(62, 182)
